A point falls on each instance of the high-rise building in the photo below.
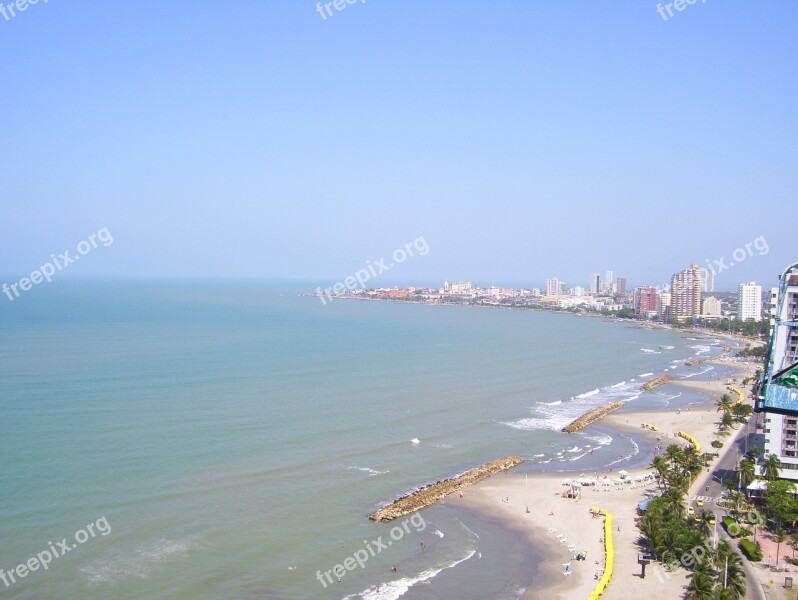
(595, 283)
(749, 302)
(778, 397)
(646, 300)
(621, 285)
(711, 307)
(686, 294)
(709, 280)
(554, 287)
(665, 306)
(610, 279)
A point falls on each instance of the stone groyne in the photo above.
(592, 416)
(652, 383)
(430, 494)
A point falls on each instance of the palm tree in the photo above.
(770, 467)
(726, 421)
(703, 522)
(747, 472)
(674, 453)
(725, 403)
(702, 585)
(731, 576)
(754, 452)
(673, 499)
(660, 465)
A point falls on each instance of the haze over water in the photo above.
(236, 436)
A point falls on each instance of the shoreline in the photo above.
(571, 519)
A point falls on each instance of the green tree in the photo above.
(724, 403)
(701, 586)
(661, 466)
(747, 472)
(731, 576)
(754, 452)
(770, 467)
(780, 502)
(726, 421)
(741, 412)
(703, 522)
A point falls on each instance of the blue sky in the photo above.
(520, 139)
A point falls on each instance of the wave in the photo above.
(397, 588)
(371, 472)
(574, 449)
(689, 375)
(142, 562)
(578, 457)
(415, 441)
(645, 375)
(667, 347)
(556, 415)
(602, 439)
(538, 456)
(649, 351)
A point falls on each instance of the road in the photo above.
(711, 485)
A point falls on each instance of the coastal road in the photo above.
(711, 485)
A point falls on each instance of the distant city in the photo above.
(690, 297)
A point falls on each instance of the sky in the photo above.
(520, 140)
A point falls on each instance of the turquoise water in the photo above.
(236, 436)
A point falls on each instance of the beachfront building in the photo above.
(778, 396)
(664, 305)
(711, 308)
(554, 287)
(620, 286)
(458, 287)
(686, 294)
(749, 302)
(646, 300)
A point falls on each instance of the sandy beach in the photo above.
(564, 527)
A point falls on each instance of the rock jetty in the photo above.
(652, 383)
(592, 416)
(432, 493)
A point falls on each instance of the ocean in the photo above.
(235, 436)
